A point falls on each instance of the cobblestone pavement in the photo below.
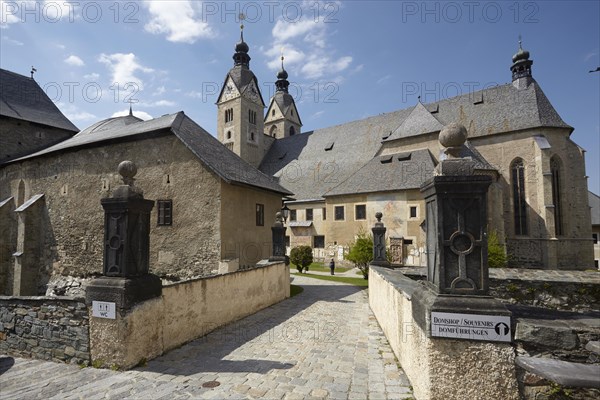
(322, 343)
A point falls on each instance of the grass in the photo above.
(343, 279)
(295, 290)
(321, 267)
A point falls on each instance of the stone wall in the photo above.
(46, 328)
(439, 369)
(185, 311)
(73, 183)
(21, 137)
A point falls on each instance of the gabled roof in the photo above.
(216, 157)
(242, 77)
(284, 101)
(418, 122)
(594, 202)
(22, 98)
(398, 171)
(303, 166)
(491, 111)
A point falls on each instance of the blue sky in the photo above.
(347, 60)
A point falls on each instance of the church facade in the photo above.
(342, 175)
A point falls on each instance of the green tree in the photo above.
(496, 255)
(301, 257)
(361, 253)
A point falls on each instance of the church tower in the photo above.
(240, 105)
(282, 119)
(521, 68)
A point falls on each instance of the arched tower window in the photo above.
(292, 131)
(273, 131)
(252, 136)
(228, 134)
(517, 175)
(21, 193)
(273, 112)
(555, 168)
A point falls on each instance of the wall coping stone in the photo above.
(562, 372)
(42, 298)
(259, 265)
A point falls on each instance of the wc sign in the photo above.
(103, 309)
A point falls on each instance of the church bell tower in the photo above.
(240, 123)
(282, 119)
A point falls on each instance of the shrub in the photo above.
(361, 253)
(496, 255)
(301, 257)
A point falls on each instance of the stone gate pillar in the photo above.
(127, 293)
(278, 235)
(379, 254)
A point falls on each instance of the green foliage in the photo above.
(496, 255)
(361, 253)
(343, 279)
(98, 363)
(301, 257)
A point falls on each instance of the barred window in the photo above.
(165, 212)
(519, 203)
(309, 214)
(360, 212)
(260, 215)
(339, 213)
(319, 242)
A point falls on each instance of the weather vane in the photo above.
(242, 17)
(520, 41)
(33, 71)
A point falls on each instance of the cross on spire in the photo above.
(33, 71)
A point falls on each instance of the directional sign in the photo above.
(103, 309)
(491, 328)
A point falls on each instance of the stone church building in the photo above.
(215, 198)
(342, 175)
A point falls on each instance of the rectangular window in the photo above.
(360, 212)
(319, 242)
(165, 212)
(260, 215)
(287, 241)
(595, 237)
(309, 214)
(324, 214)
(413, 212)
(293, 215)
(339, 213)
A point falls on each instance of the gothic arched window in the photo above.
(292, 131)
(273, 131)
(556, 182)
(228, 134)
(517, 175)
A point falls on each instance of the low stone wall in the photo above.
(47, 328)
(186, 311)
(438, 369)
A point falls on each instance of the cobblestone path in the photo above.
(322, 343)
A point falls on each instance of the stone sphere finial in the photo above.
(453, 135)
(127, 170)
(378, 215)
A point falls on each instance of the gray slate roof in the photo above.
(242, 77)
(216, 157)
(399, 171)
(594, 202)
(486, 112)
(302, 166)
(22, 98)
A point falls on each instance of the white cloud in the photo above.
(12, 41)
(137, 113)
(123, 67)
(74, 61)
(318, 65)
(291, 54)
(287, 30)
(179, 20)
(383, 79)
(317, 114)
(159, 91)
(194, 94)
(75, 114)
(92, 77)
